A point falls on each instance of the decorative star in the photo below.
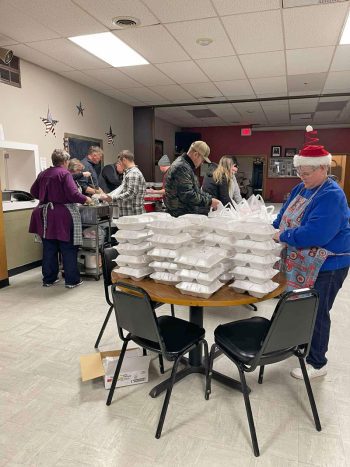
(49, 122)
(80, 109)
(110, 136)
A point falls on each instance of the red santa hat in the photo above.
(312, 154)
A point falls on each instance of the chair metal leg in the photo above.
(103, 327)
(310, 394)
(261, 374)
(167, 397)
(249, 412)
(161, 363)
(210, 372)
(206, 363)
(172, 310)
(116, 373)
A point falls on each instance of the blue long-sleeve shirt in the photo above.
(325, 223)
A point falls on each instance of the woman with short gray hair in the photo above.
(57, 220)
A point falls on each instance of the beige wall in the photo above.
(21, 109)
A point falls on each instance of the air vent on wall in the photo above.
(296, 3)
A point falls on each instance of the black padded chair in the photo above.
(168, 336)
(257, 341)
(108, 255)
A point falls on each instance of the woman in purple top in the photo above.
(57, 220)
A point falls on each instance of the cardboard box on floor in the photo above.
(134, 369)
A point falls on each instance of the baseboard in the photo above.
(24, 268)
(4, 283)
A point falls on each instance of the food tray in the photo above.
(129, 260)
(134, 273)
(132, 222)
(165, 278)
(133, 250)
(202, 258)
(170, 242)
(132, 236)
(199, 290)
(161, 266)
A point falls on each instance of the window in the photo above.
(11, 74)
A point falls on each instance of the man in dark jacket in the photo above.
(89, 162)
(182, 191)
(111, 177)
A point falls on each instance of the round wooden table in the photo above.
(225, 297)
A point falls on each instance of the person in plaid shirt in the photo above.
(130, 196)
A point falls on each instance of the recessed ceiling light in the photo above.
(109, 48)
(345, 37)
(204, 41)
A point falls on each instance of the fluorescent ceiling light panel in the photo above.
(345, 38)
(107, 47)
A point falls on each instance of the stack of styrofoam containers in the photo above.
(256, 254)
(199, 270)
(133, 244)
(168, 238)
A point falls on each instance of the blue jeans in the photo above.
(328, 284)
(50, 266)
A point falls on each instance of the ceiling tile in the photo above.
(82, 78)
(202, 90)
(309, 83)
(33, 56)
(183, 72)
(236, 89)
(68, 53)
(303, 105)
(341, 60)
(122, 97)
(229, 7)
(274, 85)
(4, 40)
(264, 64)
(327, 116)
(338, 81)
(66, 18)
(310, 60)
(331, 105)
(170, 11)
(113, 77)
(146, 95)
(313, 26)
(106, 10)
(222, 68)
(172, 92)
(187, 34)
(21, 27)
(154, 43)
(148, 75)
(225, 111)
(255, 32)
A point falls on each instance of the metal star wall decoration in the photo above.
(110, 136)
(49, 122)
(80, 109)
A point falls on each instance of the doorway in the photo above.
(251, 175)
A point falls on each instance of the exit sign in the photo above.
(246, 132)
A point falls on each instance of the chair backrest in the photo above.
(292, 323)
(108, 255)
(135, 313)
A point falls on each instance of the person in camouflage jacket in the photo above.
(182, 191)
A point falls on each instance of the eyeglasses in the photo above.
(305, 174)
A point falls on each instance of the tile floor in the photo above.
(48, 417)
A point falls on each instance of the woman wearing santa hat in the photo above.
(314, 225)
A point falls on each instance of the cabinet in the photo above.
(97, 219)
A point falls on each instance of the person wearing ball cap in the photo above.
(314, 226)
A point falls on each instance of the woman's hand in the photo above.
(89, 201)
(105, 197)
(276, 236)
(86, 174)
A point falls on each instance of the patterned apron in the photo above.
(300, 265)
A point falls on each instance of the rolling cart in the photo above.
(95, 217)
